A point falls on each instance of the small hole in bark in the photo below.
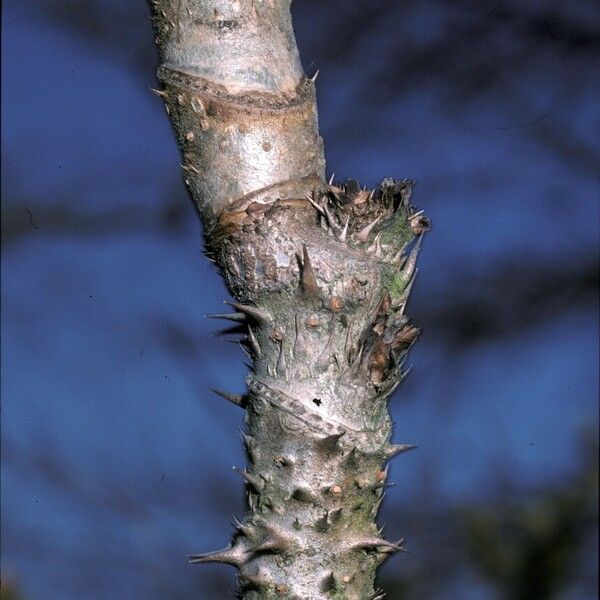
(317, 401)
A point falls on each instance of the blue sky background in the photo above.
(116, 459)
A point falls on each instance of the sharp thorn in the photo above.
(345, 230)
(350, 459)
(230, 556)
(322, 524)
(330, 442)
(236, 399)
(257, 581)
(246, 530)
(329, 583)
(308, 281)
(264, 546)
(271, 529)
(411, 261)
(317, 206)
(376, 506)
(247, 439)
(253, 341)
(396, 449)
(406, 292)
(406, 373)
(363, 235)
(375, 246)
(380, 485)
(251, 311)
(303, 495)
(242, 346)
(331, 219)
(228, 316)
(335, 515)
(255, 482)
(377, 543)
(276, 538)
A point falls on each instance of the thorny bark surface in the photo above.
(321, 275)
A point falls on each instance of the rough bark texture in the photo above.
(321, 275)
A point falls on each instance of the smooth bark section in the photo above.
(243, 45)
(248, 147)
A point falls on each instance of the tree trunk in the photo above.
(321, 275)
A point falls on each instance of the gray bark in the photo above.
(321, 275)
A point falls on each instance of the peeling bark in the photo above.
(321, 274)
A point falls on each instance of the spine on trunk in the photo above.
(321, 274)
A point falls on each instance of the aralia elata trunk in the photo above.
(321, 274)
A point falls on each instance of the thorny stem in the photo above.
(321, 275)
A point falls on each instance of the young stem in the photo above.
(321, 274)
